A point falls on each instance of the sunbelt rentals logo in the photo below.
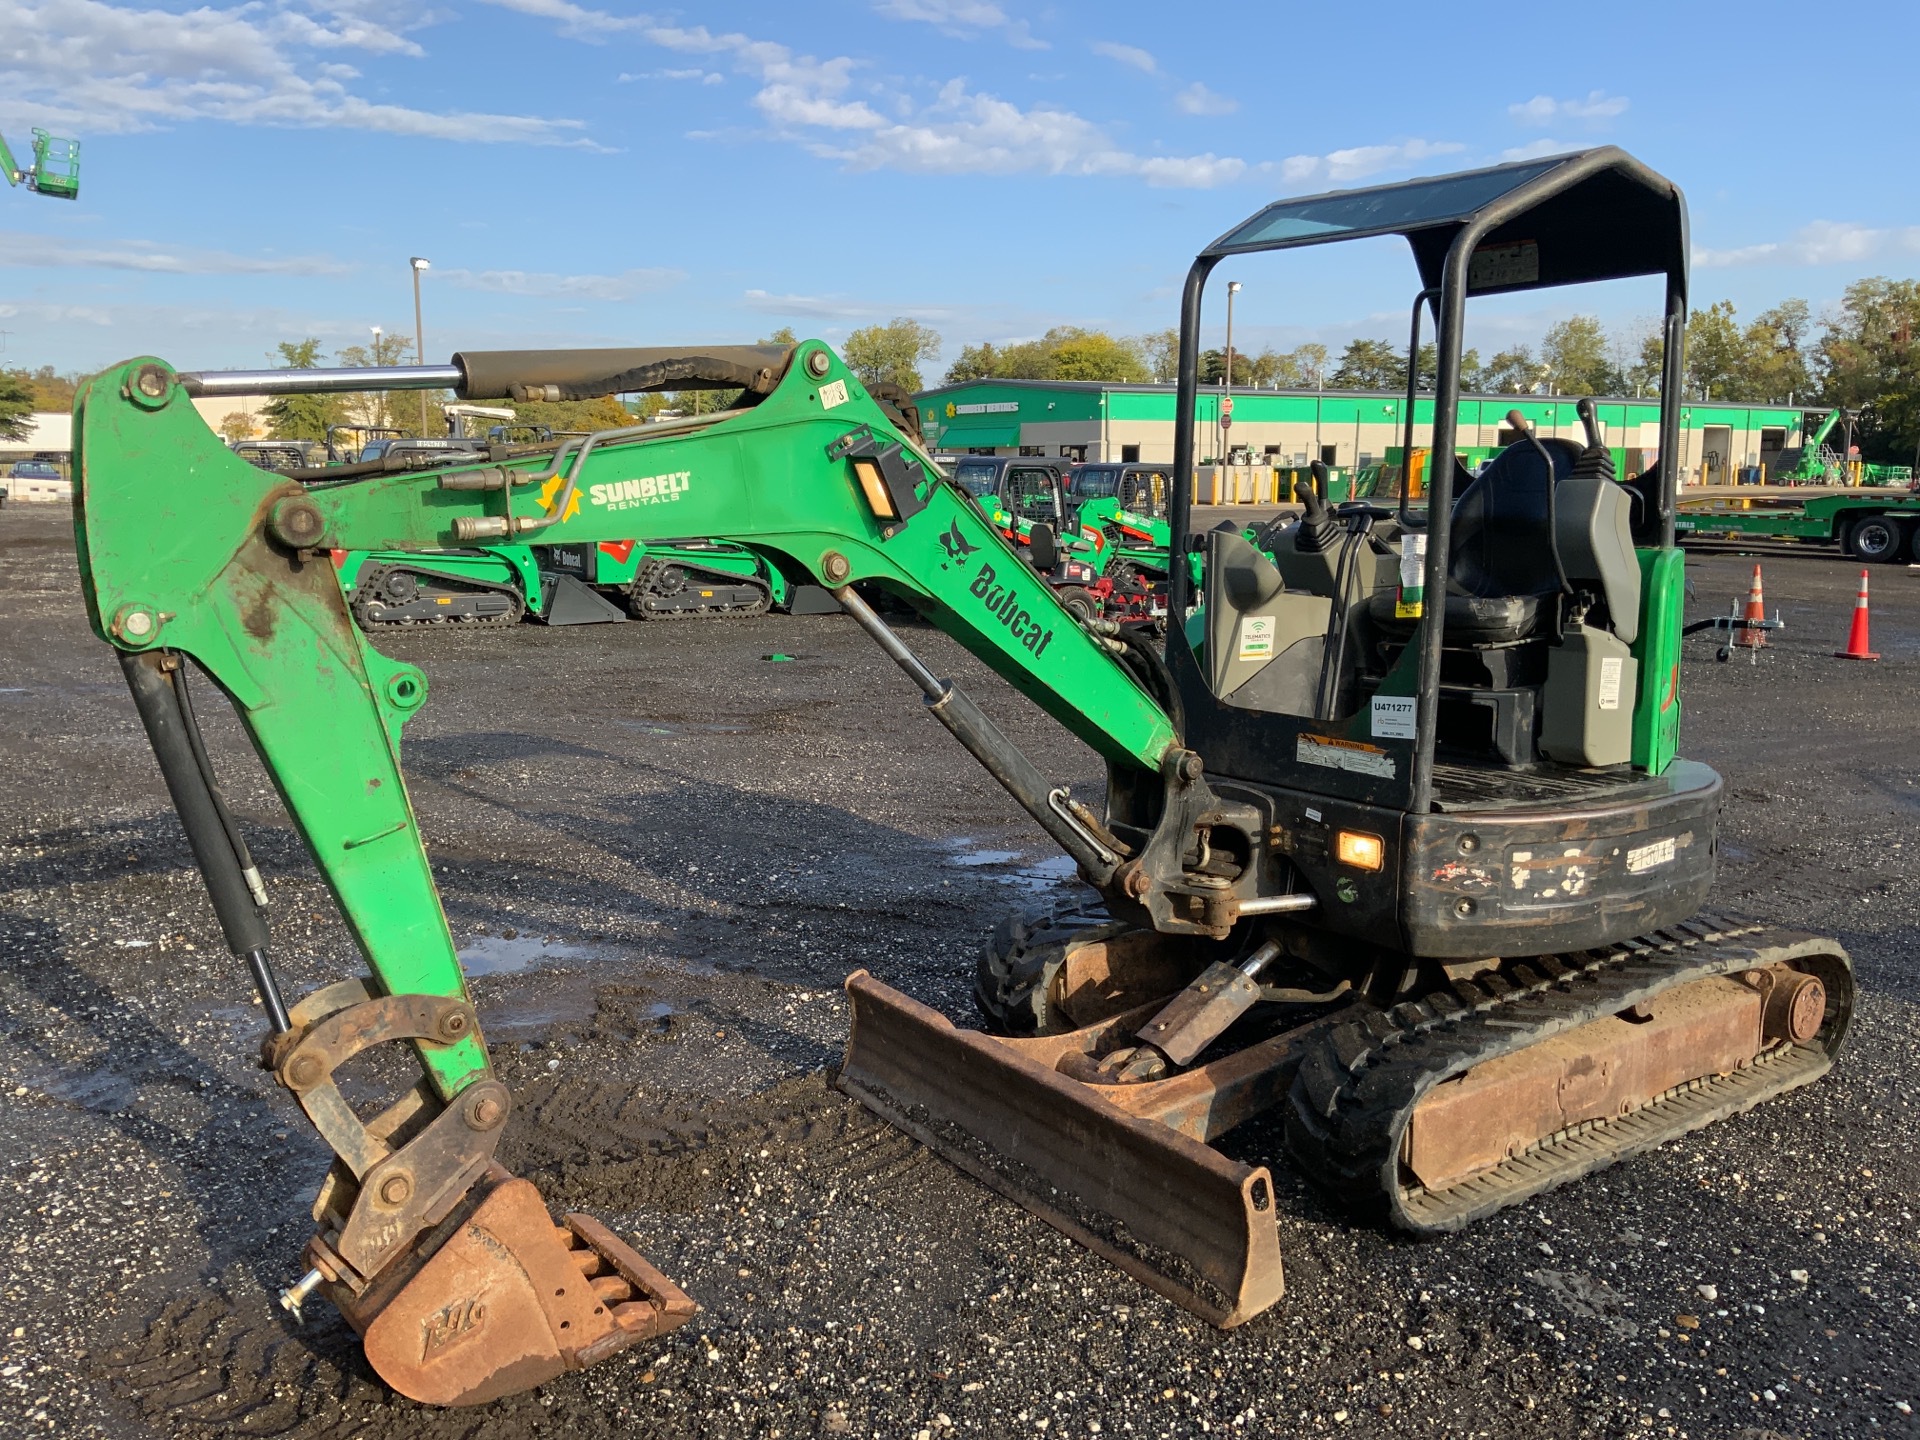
(646, 490)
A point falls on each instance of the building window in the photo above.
(1038, 450)
(1129, 454)
(1329, 454)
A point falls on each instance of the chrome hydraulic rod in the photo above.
(322, 382)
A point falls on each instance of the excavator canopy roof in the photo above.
(1564, 220)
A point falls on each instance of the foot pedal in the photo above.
(503, 1300)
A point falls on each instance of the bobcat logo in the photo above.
(457, 1321)
(956, 546)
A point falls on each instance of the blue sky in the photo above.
(262, 171)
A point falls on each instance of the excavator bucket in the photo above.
(498, 1299)
(1122, 1170)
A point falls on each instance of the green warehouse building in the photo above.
(1094, 420)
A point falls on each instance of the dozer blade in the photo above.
(498, 1299)
(1175, 1214)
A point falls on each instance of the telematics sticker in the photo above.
(1648, 856)
(1256, 637)
(1610, 673)
(833, 393)
(1393, 717)
(1343, 755)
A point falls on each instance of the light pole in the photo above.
(1226, 409)
(419, 333)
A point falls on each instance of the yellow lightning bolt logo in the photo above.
(552, 488)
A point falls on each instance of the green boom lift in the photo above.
(1394, 837)
(55, 170)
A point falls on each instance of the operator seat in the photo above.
(1500, 571)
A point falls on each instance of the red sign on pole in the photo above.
(1226, 405)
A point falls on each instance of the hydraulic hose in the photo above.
(174, 742)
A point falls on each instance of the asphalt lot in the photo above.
(662, 853)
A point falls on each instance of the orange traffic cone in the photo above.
(1753, 634)
(1857, 637)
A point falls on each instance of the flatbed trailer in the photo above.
(1874, 525)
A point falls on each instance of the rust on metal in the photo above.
(1200, 1013)
(1140, 1192)
(1115, 973)
(1606, 1068)
(500, 1299)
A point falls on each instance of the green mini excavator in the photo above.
(1395, 841)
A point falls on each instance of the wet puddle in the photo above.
(498, 955)
(1035, 876)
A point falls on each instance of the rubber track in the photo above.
(1361, 1077)
(647, 581)
(363, 602)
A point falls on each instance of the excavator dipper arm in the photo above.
(446, 1264)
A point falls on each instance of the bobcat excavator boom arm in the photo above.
(189, 553)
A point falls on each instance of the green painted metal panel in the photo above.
(1656, 710)
(175, 528)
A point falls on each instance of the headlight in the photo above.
(1360, 850)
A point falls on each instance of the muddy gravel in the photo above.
(662, 853)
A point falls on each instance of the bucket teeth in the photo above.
(505, 1300)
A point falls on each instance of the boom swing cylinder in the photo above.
(1383, 864)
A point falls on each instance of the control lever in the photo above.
(1589, 422)
(1317, 524)
(1518, 422)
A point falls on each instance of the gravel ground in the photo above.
(662, 853)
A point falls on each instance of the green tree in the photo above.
(1370, 365)
(1096, 355)
(1310, 361)
(1716, 354)
(1776, 361)
(302, 417)
(16, 404)
(389, 409)
(891, 354)
(783, 336)
(1575, 354)
(976, 362)
(1867, 360)
(1161, 353)
(1511, 372)
(601, 413)
(237, 425)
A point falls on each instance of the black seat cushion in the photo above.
(1470, 619)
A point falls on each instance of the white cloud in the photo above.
(968, 133)
(624, 286)
(962, 18)
(576, 21)
(1597, 108)
(1824, 242)
(705, 77)
(842, 309)
(1535, 149)
(23, 250)
(101, 68)
(1357, 163)
(1131, 55)
(1197, 99)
